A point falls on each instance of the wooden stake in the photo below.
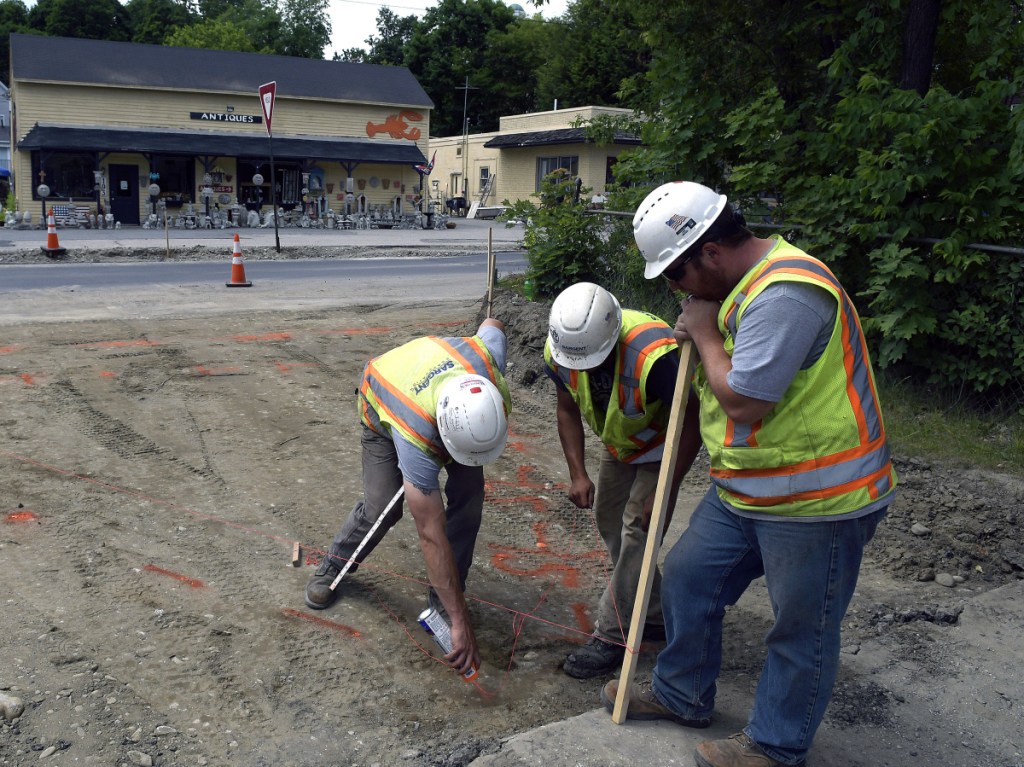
(662, 496)
(296, 554)
(490, 272)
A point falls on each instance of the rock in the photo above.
(140, 758)
(164, 730)
(10, 707)
(918, 529)
(48, 751)
(945, 579)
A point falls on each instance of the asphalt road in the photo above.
(440, 274)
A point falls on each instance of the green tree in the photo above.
(91, 19)
(13, 18)
(152, 20)
(305, 28)
(393, 33)
(213, 34)
(452, 42)
(885, 132)
(594, 48)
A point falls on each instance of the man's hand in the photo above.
(465, 654)
(581, 492)
(698, 318)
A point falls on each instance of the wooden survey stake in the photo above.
(662, 496)
(490, 273)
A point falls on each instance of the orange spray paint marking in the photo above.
(28, 378)
(539, 505)
(120, 344)
(263, 337)
(204, 371)
(289, 367)
(523, 481)
(20, 516)
(569, 575)
(10, 349)
(322, 622)
(107, 374)
(582, 619)
(359, 331)
(194, 583)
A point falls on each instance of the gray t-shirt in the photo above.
(784, 330)
(421, 469)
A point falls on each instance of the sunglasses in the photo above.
(675, 272)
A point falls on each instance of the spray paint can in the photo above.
(434, 624)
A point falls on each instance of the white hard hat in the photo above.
(671, 219)
(583, 326)
(471, 419)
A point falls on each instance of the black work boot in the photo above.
(595, 658)
(318, 591)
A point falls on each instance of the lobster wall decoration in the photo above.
(397, 126)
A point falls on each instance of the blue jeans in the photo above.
(810, 570)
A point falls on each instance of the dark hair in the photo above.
(730, 229)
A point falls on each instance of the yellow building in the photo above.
(99, 123)
(508, 164)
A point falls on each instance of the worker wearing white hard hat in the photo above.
(801, 472)
(614, 369)
(433, 403)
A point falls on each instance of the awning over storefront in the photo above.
(551, 137)
(199, 143)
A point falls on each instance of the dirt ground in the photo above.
(156, 475)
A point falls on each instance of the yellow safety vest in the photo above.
(822, 449)
(630, 429)
(400, 388)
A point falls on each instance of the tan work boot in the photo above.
(737, 750)
(643, 704)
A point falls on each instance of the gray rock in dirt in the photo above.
(919, 529)
(140, 758)
(10, 707)
(945, 579)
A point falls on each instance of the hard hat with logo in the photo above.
(471, 419)
(583, 326)
(671, 219)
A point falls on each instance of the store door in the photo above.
(124, 194)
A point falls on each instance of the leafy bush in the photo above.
(564, 243)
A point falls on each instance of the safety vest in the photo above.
(822, 449)
(400, 388)
(631, 430)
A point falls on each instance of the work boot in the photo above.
(737, 750)
(595, 658)
(644, 704)
(318, 590)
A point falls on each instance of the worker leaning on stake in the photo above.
(429, 404)
(616, 369)
(800, 470)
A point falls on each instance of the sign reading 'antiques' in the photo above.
(226, 117)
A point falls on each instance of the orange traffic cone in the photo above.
(237, 269)
(53, 247)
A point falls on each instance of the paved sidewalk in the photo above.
(467, 232)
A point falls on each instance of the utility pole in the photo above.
(465, 137)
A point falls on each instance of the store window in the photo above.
(546, 165)
(485, 176)
(68, 174)
(175, 176)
